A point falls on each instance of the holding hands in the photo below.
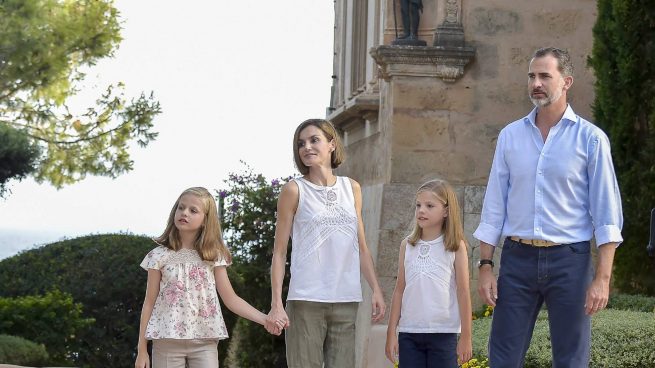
(276, 321)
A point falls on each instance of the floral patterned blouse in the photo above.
(187, 306)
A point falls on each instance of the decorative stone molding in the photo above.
(354, 108)
(442, 62)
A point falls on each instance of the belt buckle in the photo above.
(540, 243)
(534, 242)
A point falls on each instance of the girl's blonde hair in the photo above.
(338, 155)
(209, 243)
(452, 229)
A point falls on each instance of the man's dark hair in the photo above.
(564, 64)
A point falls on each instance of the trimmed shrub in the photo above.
(100, 271)
(53, 319)
(637, 303)
(619, 339)
(19, 351)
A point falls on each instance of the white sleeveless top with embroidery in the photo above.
(325, 248)
(430, 296)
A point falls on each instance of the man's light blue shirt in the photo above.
(563, 190)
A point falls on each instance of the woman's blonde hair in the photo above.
(452, 229)
(209, 242)
(338, 155)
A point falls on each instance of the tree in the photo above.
(623, 59)
(248, 209)
(18, 156)
(45, 45)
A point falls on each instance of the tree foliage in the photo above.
(18, 156)
(248, 208)
(100, 271)
(623, 59)
(45, 45)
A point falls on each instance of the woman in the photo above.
(322, 214)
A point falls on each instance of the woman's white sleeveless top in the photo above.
(430, 296)
(325, 249)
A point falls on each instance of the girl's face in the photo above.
(190, 213)
(430, 211)
(314, 148)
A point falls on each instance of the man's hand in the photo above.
(487, 285)
(597, 296)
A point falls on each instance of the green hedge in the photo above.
(19, 351)
(53, 320)
(100, 271)
(637, 303)
(619, 339)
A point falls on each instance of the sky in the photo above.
(233, 78)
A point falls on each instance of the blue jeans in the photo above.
(530, 276)
(429, 350)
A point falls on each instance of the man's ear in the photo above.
(568, 82)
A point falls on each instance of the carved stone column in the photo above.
(451, 32)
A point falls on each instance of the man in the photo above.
(551, 188)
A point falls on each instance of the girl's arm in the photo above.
(391, 348)
(464, 346)
(366, 260)
(287, 205)
(152, 290)
(234, 302)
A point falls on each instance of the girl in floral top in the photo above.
(181, 312)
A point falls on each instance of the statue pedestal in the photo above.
(409, 41)
(446, 63)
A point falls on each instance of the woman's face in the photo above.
(314, 148)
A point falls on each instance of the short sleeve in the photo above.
(154, 258)
(222, 262)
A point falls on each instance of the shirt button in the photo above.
(541, 172)
(538, 229)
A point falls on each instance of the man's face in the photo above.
(546, 84)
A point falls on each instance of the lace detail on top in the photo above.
(424, 264)
(161, 256)
(317, 230)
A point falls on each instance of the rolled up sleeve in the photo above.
(604, 196)
(494, 207)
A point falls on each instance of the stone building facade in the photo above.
(408, 114)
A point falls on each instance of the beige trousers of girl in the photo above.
(171, 353)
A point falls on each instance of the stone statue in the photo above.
(410, 11)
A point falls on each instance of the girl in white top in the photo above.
(181, 312)
(431, 303)
(322, 214)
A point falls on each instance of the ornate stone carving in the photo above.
(445, 63)
(452, 12)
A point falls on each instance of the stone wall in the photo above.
(414, 121)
